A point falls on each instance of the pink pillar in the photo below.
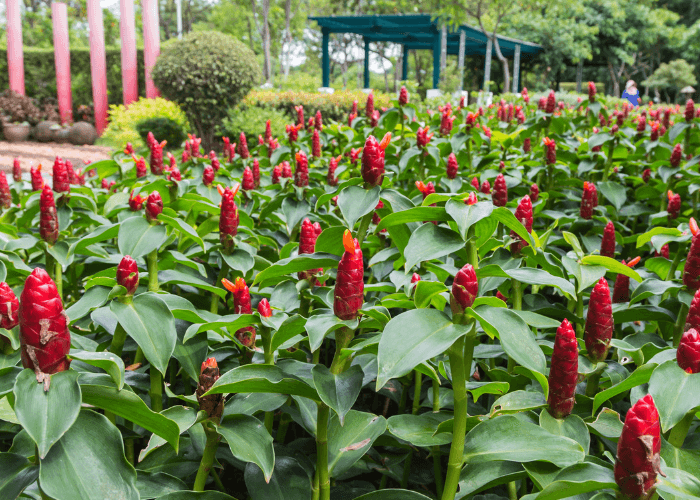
(130, 75)
(151, 42)
(61, 45)
(98, 63)
(15, 53)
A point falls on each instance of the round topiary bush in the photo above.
(206, 73)
(164, 129)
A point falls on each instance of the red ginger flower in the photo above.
(563, 374)
(642, 124)
(353, 110)
(332, 166)
(5, 195)
(655, 131)
(215, 163)
(646, 175)
(638, 461)
(48, 217)
(589, 200)
(674, 205)
(61, 182)
(128, 149)
(208, 175)
(373, 160)
(689, 110)
(591, 92)
(318, 121)
(499, 295)
(551, 102)
(307, 245)
(268, 132)
(446, 122)
(229, 219)
(43, 327)
(264, 308)
(292, 132)
(128, 274)
(248, 182)
(195, 143)
(175, 175)
(301, 172)
(422, 137)
(500, 191)
(426, 189)
(135, 202)
(403, 96)
(286, 170)
(154, 206)
(676, 155)
(487, 131)
(527, 145)
(354, 154)
(316, 145)
(415, 278)
(213, 404)
(375, 216)
(465, 288)
(550, 150)
(243, 146)
(664, 252)
(471, 199)
(273, 144)
(524, 215)
(300, 115)
(452, 166)
(241, 305)
(534, 193)
(140, 165)
(486, 187)
(72, 177)
(475, 183)
(16, 170)
(471, 120)
(693, 318)
(688, 353)
(276, 173)
(156, 154)
(691, 272)
(375, 119)
(172, 163)
(607, 246)
(227, 147)
(599, 322)
(256, 173)
(349, 284)
(369, 106)
(621, 289)
(9, 305)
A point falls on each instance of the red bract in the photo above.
(9, 305)
(228, 220)
(599, 322)
(349, 284)
(534, 193)
(301, 172)
(300, 115)
(5, 195)
(72, 177)
(154, 206)
(471, 199)
(48, 217)
(248, 182)
(693, 318)
(551, 102)
(674, 205)
(241, 305)
(475, 183)
(591, 92)
(525, 95)
(563, 374)
(607, 246)
(353, 110)
(654, 131)
(425, 189)
(243, 146)
(268, 132)
(136, 202)
(256, 173)
(524, 215)
(61, 182)
(307, 245)
(422, 137)
(465, 288)
(208, 175)
(316, 145)
(638, 461)
(293, 132)
(691, 272)
(527, 145)
(446, 121)
(589, 200)
(688, 353)
(550, 150)
(332, 166)
(373, 160)
(500, 191)
(156, 154)
(369, 106)
(415, 278)
(403, 96)
(471, 120)
(128, 274)
(213, 404)
(486, 187)
(318, 121)
(646, 175)
(286, 170)
(215, 163)
(43, 327)
(175, 175)
(621, 289)
(228, 154)
(452, 166)
(276, 173)
(375, 119)
(140, 166)
(641, 124)
(16, 170)
(499, 295)
(676, 155)
(689, 110)
(264, 308)
(128, 149)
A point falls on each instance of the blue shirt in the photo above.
(631, 98)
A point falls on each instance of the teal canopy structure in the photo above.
(422, 32)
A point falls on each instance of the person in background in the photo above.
(631, 93)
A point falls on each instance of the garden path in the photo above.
(34, 153)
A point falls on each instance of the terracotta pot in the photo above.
(15, 132)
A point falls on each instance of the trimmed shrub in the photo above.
(206, 73)
(571, 87)
(164, 129)
(251, 121)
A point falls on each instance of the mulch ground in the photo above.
(35, 153)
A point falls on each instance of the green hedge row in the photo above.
(40, 74)
(571, 87)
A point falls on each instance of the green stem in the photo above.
(680, 430)
(680, 324)
(512, 491)
(269, 360)
(472, 253)
(58, 278)
(459, 430)
(217, 480)
(608, 161)
(304, 304)
(129, 450)
(156, 392)
(469, 156)
(207, 457)
(517, 300)
(418, 378)
(223, 272)
(674, 264)
(579, 314)
(315, 493)
(139, 357)
(364, 226)
(437, 454)
(593, 381)
(153, 271)
(118, 340)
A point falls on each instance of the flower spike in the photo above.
(348, 242)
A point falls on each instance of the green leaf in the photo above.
(572, 240)
(467, 215)
(232, 323)
(578, 479)
(645, 238)
(518, 401)
(425, 291)
(320, 325)
(262, 378)
(8, 377)
(530, 276)
(110, 363)
(571, 426)
(640, 376)
(249, 441)
(675, 393)
(289, 482)
(95, 297)
(506, 217)
(612, 265)
(184, 418)
(157, 484)
(339, 391)
(16, 473)
(509, 438)
(614, 192)
(411, 338)
(349, 442)
(303, 262)
(355, 202)
(479, 477)
(239, 260)
(173, 277)
(677, 485)
(431, 242)
(199, 495)
(294, 211)
(47, 415)
(150, 323)
(393, 495)
(419, 430)
(183, 227)
(102, 233)
(137, 237)
(416, 214)
(88, 463)
(607, 424)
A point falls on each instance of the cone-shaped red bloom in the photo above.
(369, 106)
(276, 173)
(307, 244)
(5, 195)
(316, 144)
(301, 172)
(642, 124)
(591, 92)
(154, 206)
(268, 132)
(264, 308)
(215, 163)
(524, 215)
(691, 272)
(500, 191)
(208, 175)
(375, 216)
(243, 146)
(248, 182)
(43, 326)
(140, 165)
(599, 322)
(422, 137)
(563, 373)
(256, 172)
(286, 170)
(300, 115)
(228, 220)
(61, 182)
(48, 217)
(9, 305)
(293, 132)
(475, 183)
(175, 175)
(550, 150)
(638, 462)
(452, 166)
(349, 284)
(551, 103)
(674, 205)
(373, 160)
(471, 199)
(527, 145)
(621, 290)
(689, 110)
(534, 193)
(128, 274)
(646, 175)
(135, 202)
(318, 121)
(688, 353)
(693, 318)
(156, 154)
(403, 96)
(676, 155)
(465, 287)
(72, 177)
(415, 278)
(607, 246)
(589, 200)
(332, 166)
(213, 404)
(16, 170)
(241, 305)
(486, 187)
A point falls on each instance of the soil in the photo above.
(35, 153)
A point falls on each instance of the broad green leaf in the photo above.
(675, 393)
(572, 240)
(8, 376)
(249, 441)
(419, 430)
(137, 237)
(232, 323)
(393, 494)
(425, 291)
(612, 265)
(506, 217)
(320, 325)
(110, 363)
(355, 202)
(262, 378)
(199, 495)
(47, 415)
(88, 463)
(578, 479)
(183, 227)
(678, 485)
(289, 482)
(239, 260)
(431, 242)
(411, 338)
(294, 211)
(640, 376)
(416, 214)
(349, 442)
(571, 426)
(528, 275)
(157, 484)
(95, 297)
(303, 262)
(479, 477)
(173, 277)
(607, 424)
(339, 391)
(467, 215)
(645, 238)
(184, 418)
(613, 192)
(518, 401)
(16, 473)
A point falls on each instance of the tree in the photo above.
(674, 75)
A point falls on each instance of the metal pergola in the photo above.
(422, 32)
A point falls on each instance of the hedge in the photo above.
(40, 74)
(571, 87)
